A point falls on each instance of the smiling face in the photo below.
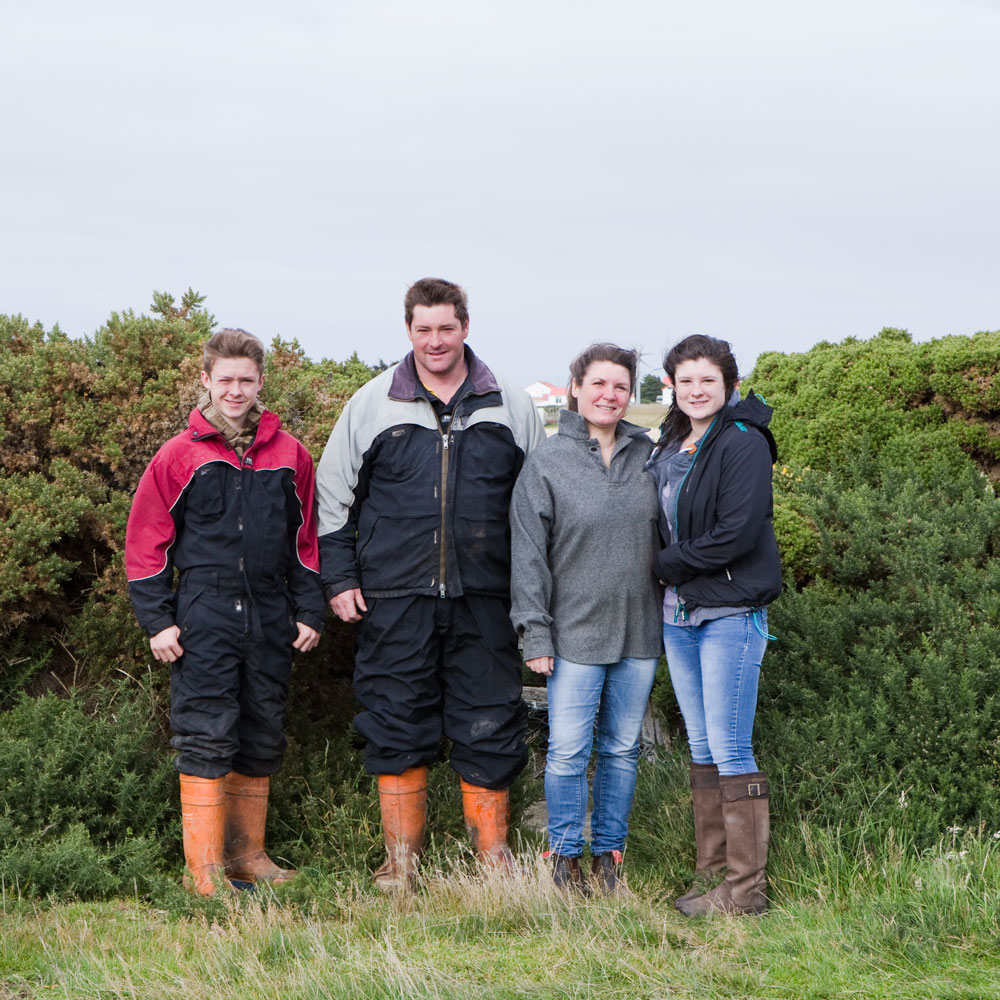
(438, 340)
(233, 385)
(602, 396)
(699, 391)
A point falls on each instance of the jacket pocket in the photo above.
(205, 499)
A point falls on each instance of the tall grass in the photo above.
(857, 912)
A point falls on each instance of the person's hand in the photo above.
(348, 605)
(541, 664)
(165, 646)
(308, 637)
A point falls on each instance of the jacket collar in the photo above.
(749, 412)
(744, 413)
(572, 425)
(201, 429)
(405, 383)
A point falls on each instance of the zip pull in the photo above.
(762, 632)
(681, 609)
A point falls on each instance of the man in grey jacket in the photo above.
(414, 490)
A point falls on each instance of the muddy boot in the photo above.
(745, 807)
(567, 875)
(403, 801)
(203, 803)
(487, 814)
(709, 831)
(606, 870)
(246, 817)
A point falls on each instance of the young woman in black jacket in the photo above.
(720, 565)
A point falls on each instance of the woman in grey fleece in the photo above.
(586, 603)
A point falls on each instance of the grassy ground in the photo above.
(646, 414)
(847, 921)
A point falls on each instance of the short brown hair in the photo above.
(231, 343)
(436, 292)
(624, 356)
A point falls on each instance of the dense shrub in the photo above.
(79, 421)
(87, 800)
(882, 685)
(88, 794)
(880, 693)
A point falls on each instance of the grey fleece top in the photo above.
(583, 538)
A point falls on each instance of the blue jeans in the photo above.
(616, 694)
(715, 668)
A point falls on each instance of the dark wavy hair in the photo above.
(677, 425)
(624, 356)
(436, 292)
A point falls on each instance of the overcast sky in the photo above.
(774, 173)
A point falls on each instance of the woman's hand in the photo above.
(541, 664)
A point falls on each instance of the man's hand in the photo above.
(348, 605)
(541, 664)
(308, 637)
(166, 646)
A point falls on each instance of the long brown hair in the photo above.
(677, 425)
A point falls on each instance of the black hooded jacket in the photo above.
(726, 554)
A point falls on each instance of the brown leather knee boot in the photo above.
(745, 808)
(709, 830)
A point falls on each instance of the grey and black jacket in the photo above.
(407, 507)
(725, 554)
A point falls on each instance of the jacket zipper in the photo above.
(445, 444)
(681, 609)
(680, 486)
(444, 499)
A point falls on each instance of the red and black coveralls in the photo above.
(242, 535)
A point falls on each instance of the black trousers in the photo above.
(228, 690)
(428, 667)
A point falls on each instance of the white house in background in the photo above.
(546, 394)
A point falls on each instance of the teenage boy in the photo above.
(414, 490)
(228, 503)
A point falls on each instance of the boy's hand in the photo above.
(347, 606)
(308, 637)
(165, 645)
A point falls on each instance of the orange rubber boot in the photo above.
(403, 801)
(487, 815)
(203, 804)
(246, 817)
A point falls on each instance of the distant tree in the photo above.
(650, 388)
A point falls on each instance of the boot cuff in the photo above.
(744, 786)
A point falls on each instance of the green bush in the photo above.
(879, 696)
(880, 693)
(88, 795)
(79, 422)
(88, 804)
